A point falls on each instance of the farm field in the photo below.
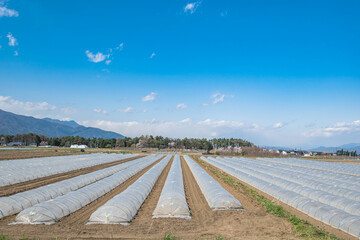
(254, 222)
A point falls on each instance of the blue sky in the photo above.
(273, 72)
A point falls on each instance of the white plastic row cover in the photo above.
(216, 196)
(343, 180)
(330, 215)
(16, 171)
(328, 166)
(20, 201)
(122, 208)
(172, 201)
(300, 185)
(51, 211)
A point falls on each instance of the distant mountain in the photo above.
(71, 123)
(278, 148)
(347, 147)
(12, 124)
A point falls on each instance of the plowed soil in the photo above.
(28, 185)
(253, 223)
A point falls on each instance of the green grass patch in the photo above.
(302, 227)
(169, 236)
(3, 237)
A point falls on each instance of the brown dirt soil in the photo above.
(253, 223)
(34, 153)
(327, 228)
(24, 186)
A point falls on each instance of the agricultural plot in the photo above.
(123, 207)
(51, 211)
(328, 192)
(23, 170)
(148, 197)
(17, 202)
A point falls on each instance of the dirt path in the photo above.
(24, 186)
(253, 223)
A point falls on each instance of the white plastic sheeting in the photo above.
(20, 201)
(316, 203)
(122, 208)
(16, 171)
(172, 201)
(294, 181)
(216, 196)
(326, 166)
(51, 211)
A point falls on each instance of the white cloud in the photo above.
(99, 110)
(16, 53)
(126, 110)
(12, 40)
(120, 47)
(181, 106)
(152, 55)
(339, 128)
(278, 125)
(7, 103)
(191, 7)
(218, 98)
(98, 57)
(6, 12)
(184, 128)
(186, 120)
(150, 97)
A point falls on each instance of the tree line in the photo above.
(150, 141)
(343, 152)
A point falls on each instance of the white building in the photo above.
(78, 146)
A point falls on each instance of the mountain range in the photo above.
(347, 147)
(11, 124)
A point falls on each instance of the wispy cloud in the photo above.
(100, 57)
(152, 55)
(6, 12)
(120, 47)
(191, 7)
(339, 128)
(150, 97)
(12, 40)
(16, 53)
(278, 125)
(186, 120)
(126, 110)
(218, 98)
(181, 106)
(99, 110)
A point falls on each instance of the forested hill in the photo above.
(13, 124)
